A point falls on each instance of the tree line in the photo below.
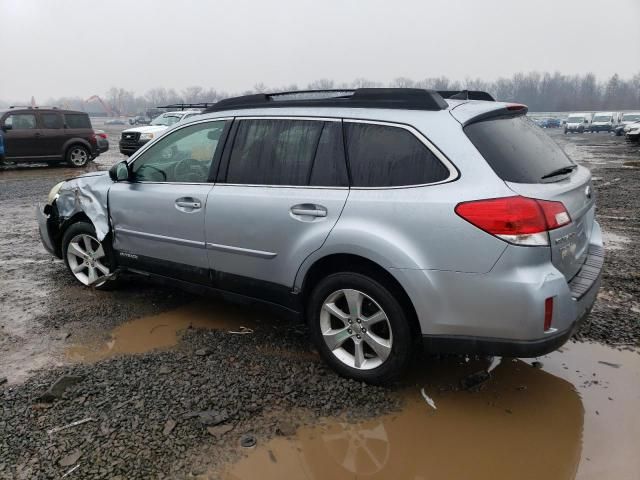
(542, 92)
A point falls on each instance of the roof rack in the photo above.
(32, 107)
(187, 106)
(466, 95)
(394, 98)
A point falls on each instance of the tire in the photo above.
(78, 156)
(351, 353)
(100, 262)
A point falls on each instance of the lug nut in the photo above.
(349, 331)
(358, 336)
(358, 320)
(350, 321)
(364, 330)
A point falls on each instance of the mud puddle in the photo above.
(163, 331)
(615, 241)
(576, 416)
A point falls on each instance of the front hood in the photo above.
(147, 129)
(91, 174)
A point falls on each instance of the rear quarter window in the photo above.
(388, 156)
(516, 149)
(77, 120)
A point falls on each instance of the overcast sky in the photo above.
(84, 47)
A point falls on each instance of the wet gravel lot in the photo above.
(180, 411)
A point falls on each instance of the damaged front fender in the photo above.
(87, 194)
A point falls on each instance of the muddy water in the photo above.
(162, 331)
(524, 423)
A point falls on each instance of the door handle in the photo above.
(310, 210)
(188, 204)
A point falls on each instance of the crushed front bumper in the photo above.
(44, 228)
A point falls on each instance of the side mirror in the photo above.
(119, 172)
(6, 127)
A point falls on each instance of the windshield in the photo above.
(166, 120)
(575, 120)
(602, 118)
(631, 117)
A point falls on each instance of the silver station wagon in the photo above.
(389, 219)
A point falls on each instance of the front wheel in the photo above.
(78, 156)
(88, 259)
(360, 328)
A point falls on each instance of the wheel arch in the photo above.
(75, 141)
(346, 262)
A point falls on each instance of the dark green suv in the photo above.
(48, 135)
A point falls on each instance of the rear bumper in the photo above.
(502, 312)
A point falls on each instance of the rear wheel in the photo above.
(360, 328)
(78, 156)
(88, 259)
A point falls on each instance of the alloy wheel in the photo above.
(79, 157)
(356, 329)
(86, 258)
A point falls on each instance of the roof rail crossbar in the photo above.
(185, 106)
(394, 98)
(32, 107)
(466, 95)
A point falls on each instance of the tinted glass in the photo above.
(516, 149)
(21, 121)
(77, 120)
(183, 156)
(329, 167)
(384, 156)
(273, 152)
(51, 120)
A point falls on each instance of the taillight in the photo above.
(102, 135)
(92, 138)
(517, 220)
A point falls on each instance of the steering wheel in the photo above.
(190, 170)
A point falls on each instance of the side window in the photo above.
(51, 120)
(21, 121)
(77, 120)
(182, 156)
(329, 167)
(385, 156)
(273, 152)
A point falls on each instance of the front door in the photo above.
(285, 185)
(22, 139)
(158, 215)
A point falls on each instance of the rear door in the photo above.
(283, 187)
(533, 165)
(52, 130)
(22, 140)
(158, 216)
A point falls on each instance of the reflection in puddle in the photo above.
(523, 423)
(162, 331)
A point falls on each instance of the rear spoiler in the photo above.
(466, 95)
(510, 110)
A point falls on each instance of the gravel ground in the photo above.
(254, 383)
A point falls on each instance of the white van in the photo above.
(577, 123)
(602, 122)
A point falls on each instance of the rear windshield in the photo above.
(516, 149)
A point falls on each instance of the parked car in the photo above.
(602, 122)
(383, 218)
(114, 121)
(632, 131)
(139, 120)
(134, 138)
(102, 141)
(1, 147)
(626, 119)
(50, 135)
(550, 123)
(577, 123)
